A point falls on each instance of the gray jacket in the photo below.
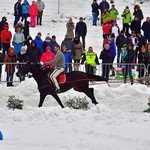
(40, 5)
(18, 38)
(58, 61)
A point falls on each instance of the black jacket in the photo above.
(146, 28)
(81, 29)
(121, 40)
(144, 58)
(135, 26)
(105, 56)
(95, 7)
(129, 58)
(33, 54)
(138, 13)
(17, 9)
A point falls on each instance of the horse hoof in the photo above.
(95, 103)
(147, 110)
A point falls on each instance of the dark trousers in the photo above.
(128, 71)
(89, 69)
(83, 41)
(118, 56)
(105, 71)
(0, 70)
(5, 48)
(126, 28)
(39, 18)
(17, 18)
(146, 38)
(137, 50)
(24, 18)
(141, 72)
(9, 79)
(70, 65)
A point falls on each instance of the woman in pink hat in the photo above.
(46, 57)
(33, 12)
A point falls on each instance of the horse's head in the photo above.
(23, 70)
(29, 68)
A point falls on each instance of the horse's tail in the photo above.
(92, 77)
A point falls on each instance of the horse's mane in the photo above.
(38, 73)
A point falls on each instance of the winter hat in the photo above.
(39, 33)
(4, 18)
(47, 47)
(23, 50)
(125, 45)
(106, 46)
(121, 31)
(53, 37)
(48, 35)
(70, 19)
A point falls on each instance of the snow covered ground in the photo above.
(116, 123)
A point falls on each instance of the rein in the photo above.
(49, 85)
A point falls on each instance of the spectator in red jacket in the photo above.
(33, 12)
(46, 57)
(107, 28)
(2, 23)
(6, 37)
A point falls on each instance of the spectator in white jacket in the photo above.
(115, 29)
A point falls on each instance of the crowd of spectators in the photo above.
(129, 44)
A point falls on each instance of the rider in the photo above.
(59, 63)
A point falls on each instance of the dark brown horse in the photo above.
(77, 80)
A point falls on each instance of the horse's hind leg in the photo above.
(90, 94)
(58, 100)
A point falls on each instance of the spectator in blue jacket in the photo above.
(25, 11)
(70, 48)
(103, 6)
(39, 42)
(53, 43)
(67, 55)
(81, 30)
(112, 54)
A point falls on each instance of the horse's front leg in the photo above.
(58, 100)
(42, 97)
